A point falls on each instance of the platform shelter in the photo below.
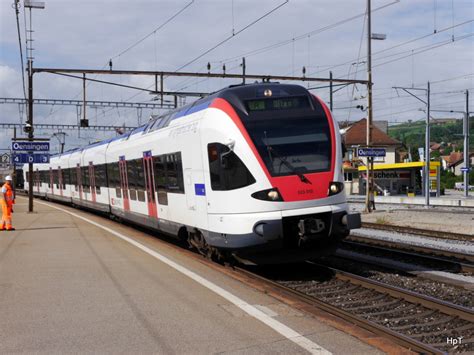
(401, 178)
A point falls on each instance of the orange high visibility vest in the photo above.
(6, 194)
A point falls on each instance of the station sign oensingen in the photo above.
(371, 152)
(30, 146)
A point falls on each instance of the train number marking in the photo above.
(306, 191)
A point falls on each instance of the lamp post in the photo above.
(465, 134)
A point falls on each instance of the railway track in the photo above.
(464, 261)
(418, 231)
(418, 322)
(425, 256)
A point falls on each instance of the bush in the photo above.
(448, 179)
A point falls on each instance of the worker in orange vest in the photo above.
(7, 199)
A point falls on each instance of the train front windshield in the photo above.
(291, 134)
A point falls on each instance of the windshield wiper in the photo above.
(286, 163)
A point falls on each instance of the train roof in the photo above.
(235, 94)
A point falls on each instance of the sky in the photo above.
(426, 40)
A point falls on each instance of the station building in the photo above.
(354, 136)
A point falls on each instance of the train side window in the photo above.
(73, 177)
(78, 173)
(118, 188)
(97, 178)
(61, 179)
(104, 175)
(174, 168)
(227, 171)
(110, 176)
(132, 179)
(85, 179)
(100, 177)
(140, 183)
(113, 177)
(66, 177)
(56, 177)
(159, 170)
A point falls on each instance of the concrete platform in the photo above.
(68, 286)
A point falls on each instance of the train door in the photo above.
(190, 195)
(198, 189)
(51, 180)
(60, 180)
(92, 181)
(150, 184)
(79, 180)
(161, 188)
(195, 197)
(124, 182)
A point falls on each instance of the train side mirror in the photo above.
(230, 144)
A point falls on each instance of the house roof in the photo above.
(357, 135)
(455, 158)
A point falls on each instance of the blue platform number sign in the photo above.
(200, 189)
(26, 158)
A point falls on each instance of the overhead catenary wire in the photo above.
(225, 40)
(16, 6)
(304, 35)
(154, 31)
(397, 45)
(422, 50)
(135, 44)
(232, 36)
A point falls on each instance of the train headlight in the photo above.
(273, 195)
(335, 188)
(268, 195)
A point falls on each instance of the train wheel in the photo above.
(196, 240)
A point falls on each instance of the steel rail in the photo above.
(417, 248)
(462, 267)
(373, 327)
(418, 231)
(409, 296)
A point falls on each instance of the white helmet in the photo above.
(8, 178)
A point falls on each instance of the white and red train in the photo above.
(252, 171)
